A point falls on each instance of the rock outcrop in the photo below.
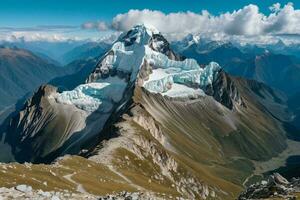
(275, 186)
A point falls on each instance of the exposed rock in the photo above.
(275, 186)
(130, 196)
(25, 192)
(160, 44)
(224, 91)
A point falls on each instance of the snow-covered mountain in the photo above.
(141, 57)
(149, 119)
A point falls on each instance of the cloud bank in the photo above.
(247, 21)
(51, 33)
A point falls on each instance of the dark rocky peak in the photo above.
(160, 44)
(43, 91)
(224, 90)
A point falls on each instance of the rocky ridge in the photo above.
(275, 186)
(24, 192)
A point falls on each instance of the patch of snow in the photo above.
(179, 90)
(24, 188)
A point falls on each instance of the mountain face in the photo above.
(279, 71)
(21, 72)
(149, 119)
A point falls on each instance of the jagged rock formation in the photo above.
(224, 91)
(275, 186)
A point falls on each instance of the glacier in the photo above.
(170, 74)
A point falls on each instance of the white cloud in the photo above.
(51, 34)
(245, 22)
(101, 26)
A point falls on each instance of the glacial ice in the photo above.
(168, 74)
(91, 96)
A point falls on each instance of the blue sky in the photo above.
(63, 19)
(25, 13)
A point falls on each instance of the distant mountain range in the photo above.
(51, 50)
(85, 51)
(62, 53)
(276, 70)
(21, 72)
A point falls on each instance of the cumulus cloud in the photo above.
(247, 21)
(275, 7)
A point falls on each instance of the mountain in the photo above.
(52, 50)
(21, 72)
(279, 71)
(276, 70)
(286, 49)
(207, 51)
(150, 121)
(85, 51)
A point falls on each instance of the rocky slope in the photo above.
(148, 120)
(274, 187)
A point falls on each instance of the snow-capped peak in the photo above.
(141, 56)
(149, 28)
